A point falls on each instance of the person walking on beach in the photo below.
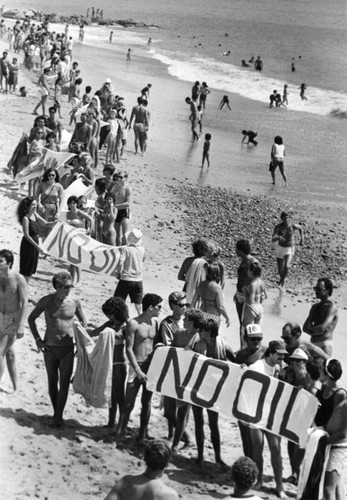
(13, 313)
(204, 91)
(110, 37)
(129, 55)
(323, 316)
(302, 88)
(57, 346)
(193, 117)
(44, 90)
(283, 235)
(224, 101)
(251, 135)
(206, 151)
(277, 156)
(148, 484)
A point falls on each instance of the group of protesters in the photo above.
(196, 310)
(305, 365)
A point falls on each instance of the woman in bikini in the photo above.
(109, 216)
(254, 293)
(209, 296)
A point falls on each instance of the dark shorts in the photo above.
(58, 352)
(132, 288)
(123, 213)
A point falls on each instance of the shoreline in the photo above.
(81, 461)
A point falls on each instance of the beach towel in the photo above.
(93, 376)
(19, 159)
(312, 472)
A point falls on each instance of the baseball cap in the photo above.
(253, 330)
(278, 346)
(108, 80)
(299, 354)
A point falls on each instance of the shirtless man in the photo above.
(141, 123)
(323, 317)
(337, 430)
(284, 236)
(54, 124)
(13, 313)
(139, 337)
(82, 135)
(57, 346)
(147, 485)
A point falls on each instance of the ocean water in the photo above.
(192, 37)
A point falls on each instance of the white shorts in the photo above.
(337, 459)
(282, 252)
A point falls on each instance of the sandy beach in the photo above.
(81, 460)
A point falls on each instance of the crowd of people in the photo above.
(196, 310)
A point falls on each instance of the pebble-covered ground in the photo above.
(226, 216)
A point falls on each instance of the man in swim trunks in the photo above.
(57, 346)
(194, 118)
(148, 484)
(283, 235)
(13, 313)
(139, 338)
(337, 430)
(141, 123)
(131, 267)
(323, 317)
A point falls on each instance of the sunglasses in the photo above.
(52, 175)
(120, 177)
(256, 339)
(66, 287)
(286, 339)
(181, 305)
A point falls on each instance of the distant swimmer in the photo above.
(251, 60)
(258, 65)
(129, 55)
(225, 100)
(251, 135)
(110, 37)
(206, 151)
(244, 64)
(279, 102)
(149, 43)
(285, 94)
(272, 98)
(293, 67)
(226, 53)
(302, 88)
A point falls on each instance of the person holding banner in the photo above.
(57, 346)
(50, 194)
(253, 351)
(337, 430)
(139, 336)
(270, 365)
(29, 247)
(212, 346)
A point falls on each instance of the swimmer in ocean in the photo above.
(244, 64)
(302, 88)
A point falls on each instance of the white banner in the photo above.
(66, 243)
(244, 394)
(49, 159)
(76, 188)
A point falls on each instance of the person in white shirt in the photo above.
(270, 365)
(278, 153)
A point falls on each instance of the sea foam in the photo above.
(250, 83)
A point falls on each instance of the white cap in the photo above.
(299, 354)
(134, 237)
(253, 330)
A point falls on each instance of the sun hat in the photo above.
(134, 237)
(253, 330)
(299, 354)
(108, 80)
